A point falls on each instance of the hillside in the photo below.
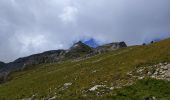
(103, 76)
(78, 51)
(2, 64)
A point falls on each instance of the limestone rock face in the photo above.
(78, 49)
(109, 47)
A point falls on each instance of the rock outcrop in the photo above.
(46, 57)
(78, 49)
(159, 71)
(109, 47)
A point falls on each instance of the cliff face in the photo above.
(109, 47)
(46, 57)
(78, 49)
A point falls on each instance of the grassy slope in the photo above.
(142, 89)
(47, 79)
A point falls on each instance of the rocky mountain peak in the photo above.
(78, 49)
(80, 46)
(77, 45)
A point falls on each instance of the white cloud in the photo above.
(32, 26)
(34, 41)
(69, 14)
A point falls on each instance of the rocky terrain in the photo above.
(109, 47)
(158, 71)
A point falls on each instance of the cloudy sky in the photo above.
(32, 26)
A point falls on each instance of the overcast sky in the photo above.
(32, 26)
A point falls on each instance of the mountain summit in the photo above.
(80, 47)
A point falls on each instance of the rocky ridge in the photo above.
(78, 50)
(109, 47)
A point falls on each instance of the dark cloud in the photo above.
(32, 26)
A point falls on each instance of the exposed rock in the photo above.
(30, 98)
(2, 64)
(159, 71)
(27, 99)
(112, 88)
(96, 87)
(78, 49)
(94, 71)
(150, 98)
(52, 98)
(168, 73)
(109, 47)
(140, 78)
(67, 84)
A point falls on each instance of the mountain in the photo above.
(76, 51)
(119, 73)
(46, 57)
(110, 47)
(92, 43)
(25, 62)
(2, 64)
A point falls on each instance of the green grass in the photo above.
(142, 89)
(48, 79)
